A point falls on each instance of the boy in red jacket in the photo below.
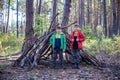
(76, 38)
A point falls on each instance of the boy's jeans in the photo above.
(75, 59)
(55, 56)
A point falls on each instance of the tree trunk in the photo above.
(29, 30)
(100, 8)
(80, 13)
(39, 7)
(95, 21)
(8, 16)
(88, 12)
(105, 18)
(17, 21)
(91, 11)
(36, 7)
(118, 14)
(110, 21)
(54, 11)
(115, 26)
(66, 12)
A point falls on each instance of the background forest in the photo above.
(99, 20)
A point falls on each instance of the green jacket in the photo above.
(63, 41)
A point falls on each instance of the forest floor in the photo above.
(110, 71)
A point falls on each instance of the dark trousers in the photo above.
(75, 58)
(55, 56)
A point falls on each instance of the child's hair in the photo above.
(58, 27)
(77, 25)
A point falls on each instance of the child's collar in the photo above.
(59, 33)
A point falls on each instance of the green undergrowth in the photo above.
(95, 44)
(10, 44)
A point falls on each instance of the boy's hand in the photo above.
(63, 51)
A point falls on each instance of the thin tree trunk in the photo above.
(115, 27)
(100, 12)
(80, 13)
(54, 11)
(95, 21)
(105, 18)
(110, 21)
(39, 7)
(17, 21)
(83, 13)
(118, 14)
(36, 7)
(66, 12)
(8, 16)
(21, 26)
(88, 12)
(91, 11)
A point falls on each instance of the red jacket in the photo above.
(81, 38)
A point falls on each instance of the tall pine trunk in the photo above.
(80, 13)
(29, 30)
(36, 7)
(39, 7)
(115, 27)
(118, 14)
(8, 16)
(105, 18)
(91, 11)
(54, 12)
(66, 12)
(100, 12)
(95, 21)
(110, 22)
(88, 12)
(17, 21)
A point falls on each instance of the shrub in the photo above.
(9, 43)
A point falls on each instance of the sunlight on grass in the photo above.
(110, 46)
(10, 44)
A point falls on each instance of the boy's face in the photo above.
(58, 30)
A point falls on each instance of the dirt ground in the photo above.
(110, 71)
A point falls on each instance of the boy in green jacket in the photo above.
(58, 42)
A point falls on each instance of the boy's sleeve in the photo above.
(51, 40)
(65, 43)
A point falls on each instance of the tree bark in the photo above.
(36, 12)
(39, 7)
(66, 12)
(100, 11)
(54, 12)
(91, 12)
(105, 18)
(29, 30)
(115, 26)
(8, 16)
(95, 21)
(88, 12)
(80, 13)
(110, 21)
(17, 21)
(118, 14)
